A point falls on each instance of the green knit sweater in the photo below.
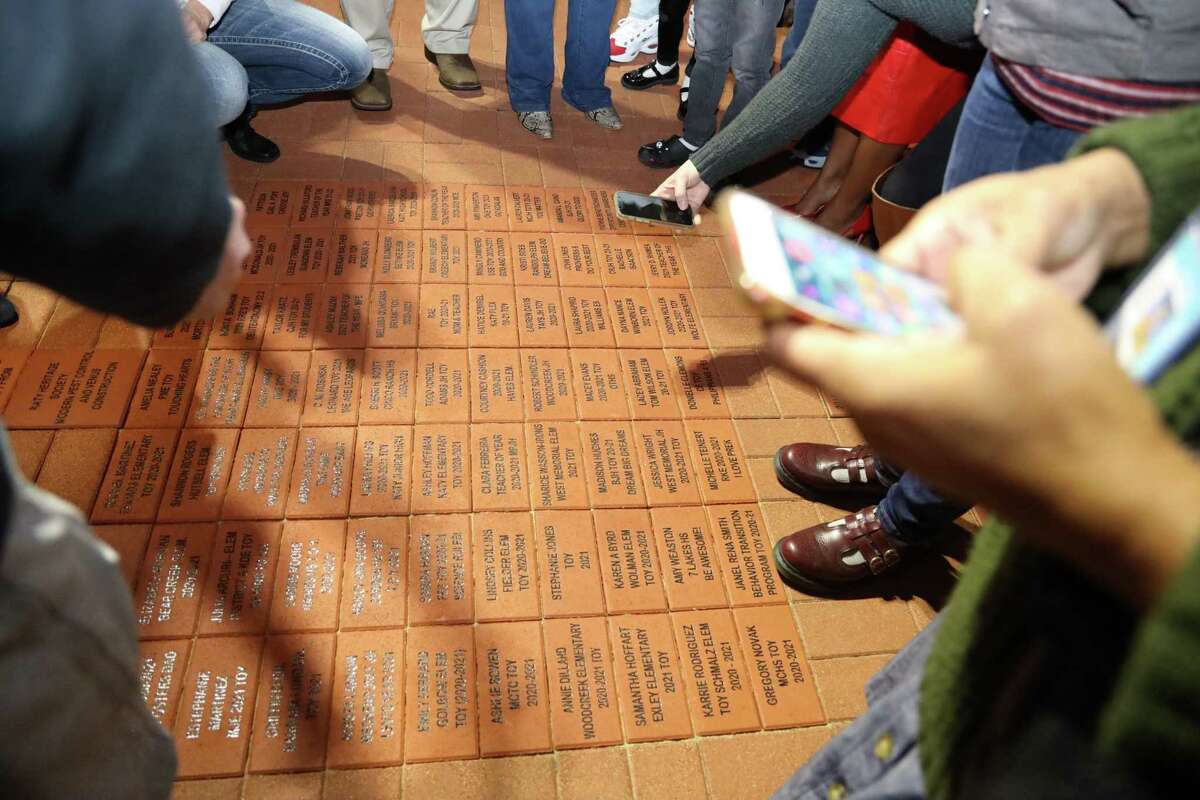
(1025, 637)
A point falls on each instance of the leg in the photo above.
(587, 54)
(804, 11)
(672, 16)
(753, 51)
(226, 79)
(871, 158)
(664, 69)
(369, 19)
(913, 512)
(998, 134)
(529, 57)
(636, 32)
(229, 86)
(832, 175)
(290, 49)
(447, 25)
(1045, 144)
(714, 52)
(918, 178)
(643, 9)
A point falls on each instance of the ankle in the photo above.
(838, 216)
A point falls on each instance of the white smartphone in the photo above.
(653, 210)
(1158, 321)
(796, 269)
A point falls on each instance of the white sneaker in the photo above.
(691, 33)
(631, 37)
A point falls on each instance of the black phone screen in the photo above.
(652, 209)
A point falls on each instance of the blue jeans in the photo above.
(996, 133)
(853, 759)
(911, 510)
(818, 139)
(271, 51)
(802, 16)
(737, 34)
(530, 53)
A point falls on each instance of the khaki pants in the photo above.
(445, 28)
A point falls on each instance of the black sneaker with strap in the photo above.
(651, 74)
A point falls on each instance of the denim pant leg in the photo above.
(226, 79)
(911, 510)
(803, 15)
(587, 53)
(714, 52)
(853, 759)
(753, 51)
(997, 133)
(290, 49)
(529, 53)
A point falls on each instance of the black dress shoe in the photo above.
(8, 313)
(649, 75)
(664, 153)
(247, 143)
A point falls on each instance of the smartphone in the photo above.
(795, 269)
(1159, 318)
(654, 210)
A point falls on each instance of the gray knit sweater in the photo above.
(842, 39)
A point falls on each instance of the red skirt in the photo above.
(909, 86)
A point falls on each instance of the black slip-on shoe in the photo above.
(649, 75)
(665, 153)
(247, 143)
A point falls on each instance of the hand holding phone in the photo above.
(796, 269)
(652, 210)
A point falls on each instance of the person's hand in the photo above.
(196, 21)
(1069, 220)
(229, 271)
(1027, 412)
(685, 188)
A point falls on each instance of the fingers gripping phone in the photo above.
(795, 269)
(654, 210)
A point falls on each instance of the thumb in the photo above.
(681, 189)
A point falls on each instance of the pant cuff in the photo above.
(457, 45)
(886, 519)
